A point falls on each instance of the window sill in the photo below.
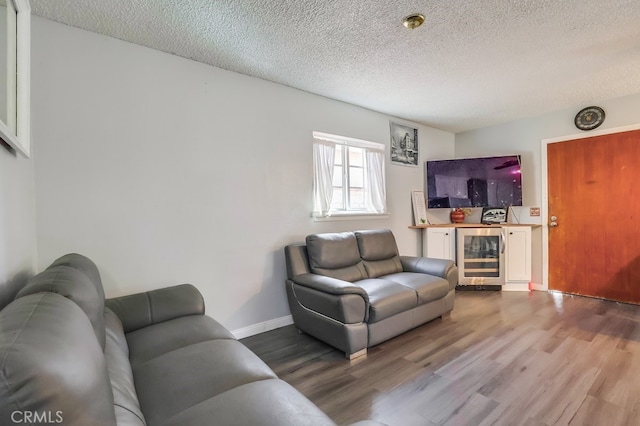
(350, 216)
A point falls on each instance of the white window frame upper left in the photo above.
(17, 133)
(350, 215)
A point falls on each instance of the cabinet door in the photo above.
(518, 253)
(439, 243)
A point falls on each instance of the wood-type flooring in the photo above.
(499, 358)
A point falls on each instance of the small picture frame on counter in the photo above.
(419, 208)
(494, 215)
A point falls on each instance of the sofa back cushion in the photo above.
(335, 255)
(116, 352)
(51, 364)
(84, 265)
(379, 252)
(75, 286)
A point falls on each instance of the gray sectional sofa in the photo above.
(353, 290)
(69, 357)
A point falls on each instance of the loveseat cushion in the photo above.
(335, 255)
(178, 380)
(444, 268)
(51, 363)
(76, 286)
(387, 298)
(270, 402)
(428, 287)
(379, 252)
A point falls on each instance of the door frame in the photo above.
(544, 286)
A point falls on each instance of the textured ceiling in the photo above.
(472, 64)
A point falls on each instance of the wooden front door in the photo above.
(594, 194)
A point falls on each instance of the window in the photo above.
(348, 176)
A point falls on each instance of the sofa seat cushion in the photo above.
(158, 339)
(428, 287)
(270, 402)
(180, 379)
(335, 255)
(387, 298)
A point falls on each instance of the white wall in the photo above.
(17, 221)
(525, 137)
(164, 170)
(17, 216)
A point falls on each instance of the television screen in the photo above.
(474, 182)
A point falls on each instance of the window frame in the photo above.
(347, 211)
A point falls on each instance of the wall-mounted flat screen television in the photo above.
(474, 182)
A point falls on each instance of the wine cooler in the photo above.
(480, 257)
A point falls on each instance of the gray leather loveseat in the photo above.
(353, 290)
(69, 358)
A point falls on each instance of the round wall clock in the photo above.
(589, 118)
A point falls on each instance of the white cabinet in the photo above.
(439, 243)
(518, 253)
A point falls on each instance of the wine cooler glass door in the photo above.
(481, 256)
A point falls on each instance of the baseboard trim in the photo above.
(515, 287)
(262, 327)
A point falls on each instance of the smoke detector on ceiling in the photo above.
(413, 21)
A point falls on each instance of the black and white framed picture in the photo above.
(493, 215)
(404, 145)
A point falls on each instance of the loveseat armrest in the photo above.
(442, 268)
(329, 285)
(152, 307)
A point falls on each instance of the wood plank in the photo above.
(498, 359)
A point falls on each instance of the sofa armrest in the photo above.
(442, 268)
(144, 309)
(329, 285)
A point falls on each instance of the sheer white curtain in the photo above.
(376, 181)
(323, 158)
